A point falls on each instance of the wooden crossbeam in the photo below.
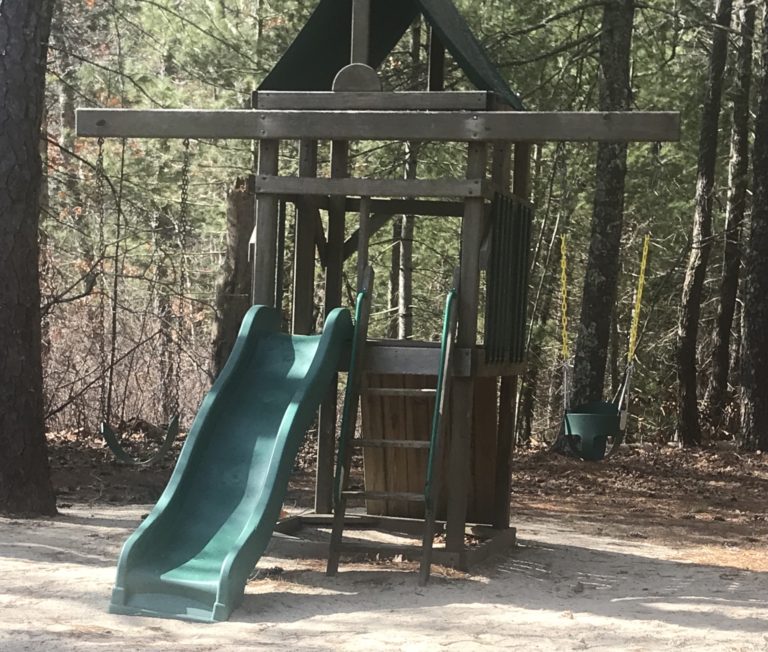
(356, 100)
(345, 187)
(380, 125)
(420, 207)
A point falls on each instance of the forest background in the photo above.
(134, 233)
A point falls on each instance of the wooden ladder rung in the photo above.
(390, 443)
(386, 495)
(408, 392)
(382, 549)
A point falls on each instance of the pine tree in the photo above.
(25, 484)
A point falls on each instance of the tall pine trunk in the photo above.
(25, 484)
(408, 222)
(234, 282)
(407, 225)
(738, 181)
(688, 427)
(754, 358)
(602, 272)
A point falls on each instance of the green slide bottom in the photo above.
(191, 557)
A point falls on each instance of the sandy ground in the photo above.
(565, 587)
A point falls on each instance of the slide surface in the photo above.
(191, 557)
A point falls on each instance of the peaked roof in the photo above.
(322, 47)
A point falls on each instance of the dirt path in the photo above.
(566, 587)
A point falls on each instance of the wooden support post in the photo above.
(333, 286)
(501, 176)
(436, 71)
(264, 238)
(522, 178)
(363, 237)
(505, 446)
(282, 217)
(501, 166)
(463, 388)
(361, 31)
(508, 387)
(304, 248)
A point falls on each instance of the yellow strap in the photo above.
(638, 301)
(564, 294)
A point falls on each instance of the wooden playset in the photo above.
(326, 88)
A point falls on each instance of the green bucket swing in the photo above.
(594, 431)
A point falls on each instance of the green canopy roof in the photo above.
(322, 47)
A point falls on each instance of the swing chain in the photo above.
(566, 387)
(100, 200)
(184, 202)
(564, 295)
(182, 233)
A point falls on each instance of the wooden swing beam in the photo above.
(445, 126)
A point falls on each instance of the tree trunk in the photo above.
(407, 222)
(233, 287)
(601, 277)
(25, 484)
(738, 181)
(754, 358)
(688, 427)
(394, 280)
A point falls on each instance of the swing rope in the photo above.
(622, 398)
(638, 302)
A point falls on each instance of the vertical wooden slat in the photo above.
(373, 459)
(501, 166)
(264, 239)
(282, 216)
(522, 171)
(417, 427)
(333, 286)
(361, 31)
(436, 73)
(363, 237)
(484, 438)
(463, 392)
(304, 248)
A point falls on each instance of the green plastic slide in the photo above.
(191, 557)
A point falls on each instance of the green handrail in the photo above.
(447, 325)
(349, 397)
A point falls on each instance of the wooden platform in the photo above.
(485, 541)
